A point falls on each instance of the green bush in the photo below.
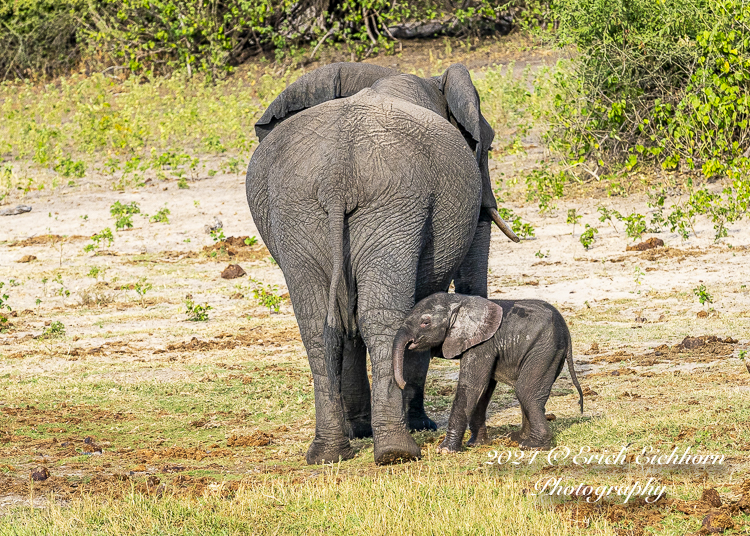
(664, 84)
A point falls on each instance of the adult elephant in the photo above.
(369, 199)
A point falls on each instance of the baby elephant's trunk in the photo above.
(399, 347)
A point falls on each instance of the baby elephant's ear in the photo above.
(475, 321)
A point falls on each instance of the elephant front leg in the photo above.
(478, 422)
(390, 434)
(355, 389)
(473, 382)
(415, 375)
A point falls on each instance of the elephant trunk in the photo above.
(399, 347)
(504, 227)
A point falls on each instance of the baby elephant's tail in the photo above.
(572, 370)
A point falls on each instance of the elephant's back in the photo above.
(380, 146)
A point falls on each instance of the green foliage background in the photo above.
(48, 37)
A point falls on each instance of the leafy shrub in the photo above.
(266, 295)
(665, 85)
(56, 330)
(588, 236)
(196, 312)
(141, 287)
(161, 216)
(102, 237)
(701, 292)
(67, 167)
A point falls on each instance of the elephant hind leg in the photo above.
(309, 298)
(355, 389)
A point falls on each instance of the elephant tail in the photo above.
(333, 336)
(572, 370)
(336, 214)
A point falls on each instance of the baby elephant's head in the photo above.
(454, 322)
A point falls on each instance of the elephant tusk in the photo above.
(504, 227)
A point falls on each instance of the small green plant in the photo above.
(635, 225)
(742, 355)
(120, 209)
(141, 287)
(84, 217)
(608, 215)
(638, 275)
(572, 219)
(196, 203)
(196, 312)
(250, 241)
(702, 294)
(56, 330)
(161, 216)
(123, 214)
(217, 235)
(231, 166)
(96, 271)
(63, 291)
(587, 237)
(124, 222)
(67, 167)
(182, 183)
(266, 295)
(3, 298)
(102, 237)
(540, 255)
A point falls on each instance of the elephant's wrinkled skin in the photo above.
(368, 203)
(521, 343)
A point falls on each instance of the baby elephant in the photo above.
(522, 343)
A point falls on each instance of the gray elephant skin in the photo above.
(369, 199)
(521, 343)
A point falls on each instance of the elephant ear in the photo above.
(334, 81)
(463, 105)
(474, 321)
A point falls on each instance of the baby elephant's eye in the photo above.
(424, 321)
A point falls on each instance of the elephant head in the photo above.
(454, 322)
(451, 95)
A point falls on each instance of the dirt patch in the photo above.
(27, 258)
(256, 439)
(651, 243)
(235, 248)
(45, 240)
(179, 453)
(701, 349)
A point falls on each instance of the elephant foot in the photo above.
(422, 422)
(395, 445)
(530, 442)
(321, 452)
(447, 448)
(518, 436)
(359, 429)
(479, 438)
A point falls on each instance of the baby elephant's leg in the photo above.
(473, 381)
(478, 422)
(532, 389)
